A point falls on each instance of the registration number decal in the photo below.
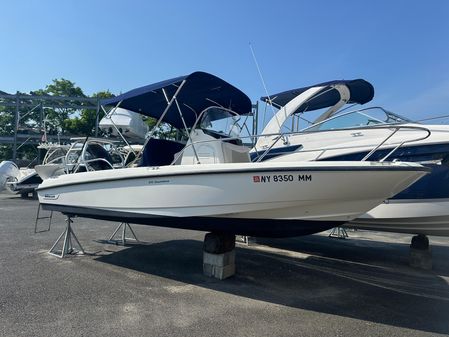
(282, 178)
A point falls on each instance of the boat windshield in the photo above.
(221, 121)
(358, 118)
(55, 155)
(94, 150)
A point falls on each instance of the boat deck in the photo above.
(307, 286)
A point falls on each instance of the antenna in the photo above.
(258, 70)
(264, 86)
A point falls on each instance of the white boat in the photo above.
(54, 160)
(210, 184)
(121, 122)
(27, 179)
(339, 134)
(83, 154)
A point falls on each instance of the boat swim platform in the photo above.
(311, 285)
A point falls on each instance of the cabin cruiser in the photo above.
(209, 182)
(342, 132)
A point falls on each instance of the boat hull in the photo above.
(240, 226)
(427, 216)
(422, 208)
(25, 183)
(260, 199)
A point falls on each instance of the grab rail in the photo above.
(278, 136)
(395, 127)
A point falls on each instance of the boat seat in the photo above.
(159, 152)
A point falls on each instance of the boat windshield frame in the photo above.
(79, 149)
(340, 114)
(232, 114)
(52, 156)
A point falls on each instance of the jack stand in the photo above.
(123, 239)
(50, 217)
(339, 232)
(67, 246)
(242, 239)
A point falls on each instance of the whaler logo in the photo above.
(51, 196)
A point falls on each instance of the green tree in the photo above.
(6, 123)
(85, 123)
(56, 116)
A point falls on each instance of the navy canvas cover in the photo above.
(361, 92)
(200, 91)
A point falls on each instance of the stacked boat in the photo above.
(209, 181)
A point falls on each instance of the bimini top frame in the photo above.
(178, 101)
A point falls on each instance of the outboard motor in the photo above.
(8, 172)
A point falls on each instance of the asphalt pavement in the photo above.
(306, 286)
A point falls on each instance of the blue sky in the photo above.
(401, 47)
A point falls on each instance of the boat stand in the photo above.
(420, 255)
(339, 232)
(219, 255)
(67, 245)
(242, 239)
(123, 238)
(49, 217)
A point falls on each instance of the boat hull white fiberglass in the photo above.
(427, 217)
(259, 199)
